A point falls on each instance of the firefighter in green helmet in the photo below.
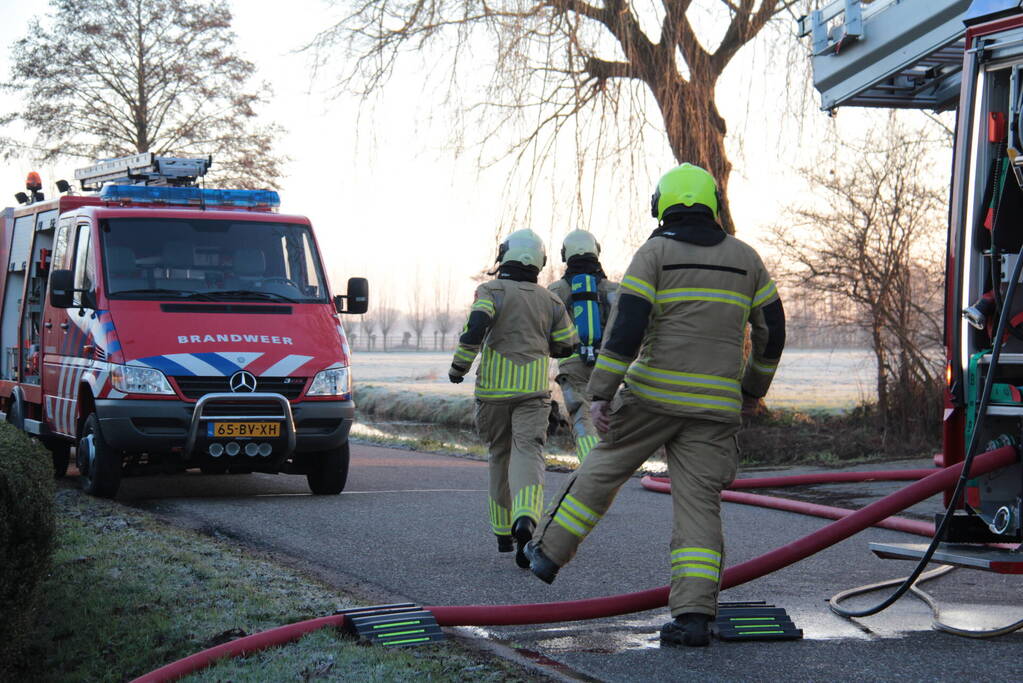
(671, 373)
(588, 296)
(515, 326)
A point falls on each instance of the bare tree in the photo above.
(445, 319)
(367, 327)
(116, 77)
(386, 315)
(873, 239)
(418, 313)
(558, 60)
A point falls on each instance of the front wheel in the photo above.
(328, 470)
(99, 464)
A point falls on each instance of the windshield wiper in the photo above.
(179, 293)
(248, 294)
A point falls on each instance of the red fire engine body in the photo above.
(165, 327)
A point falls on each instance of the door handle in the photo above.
(47, 324)
(64, 325)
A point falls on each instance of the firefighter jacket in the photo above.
(677, 330)
(607, 292)
(516, 327)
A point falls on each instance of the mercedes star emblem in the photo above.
(243, 381)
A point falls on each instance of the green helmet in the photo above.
(687, 185)
(524, 246)
(579, 243)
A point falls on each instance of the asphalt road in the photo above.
(412, 527)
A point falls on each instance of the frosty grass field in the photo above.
(829, 380)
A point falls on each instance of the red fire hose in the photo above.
(576, 610)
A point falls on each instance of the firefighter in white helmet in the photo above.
(588, 296)
(515, 325)
(671, 373)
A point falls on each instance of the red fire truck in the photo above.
(154, 325)
(967, 56)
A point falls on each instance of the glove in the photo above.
(455, 379)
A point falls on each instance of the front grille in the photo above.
(196, 387)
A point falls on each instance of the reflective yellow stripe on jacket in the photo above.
(724, 296)
(499, 377)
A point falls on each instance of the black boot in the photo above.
(505, 544)
(690, 629)
(522, 531)
(542, 566)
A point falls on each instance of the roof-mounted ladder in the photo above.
(144, 169)
(888, 53)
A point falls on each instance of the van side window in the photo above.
(85, 268)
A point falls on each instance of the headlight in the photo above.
(332, 382)
(135, 379)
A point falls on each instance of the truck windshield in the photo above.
(210, 260)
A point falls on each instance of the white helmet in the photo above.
(523, 246)
(579, 243)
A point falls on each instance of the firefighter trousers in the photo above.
(573, 375)
(702, 461)
(515, 433)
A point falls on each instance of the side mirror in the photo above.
(357, 296)
(62, 288)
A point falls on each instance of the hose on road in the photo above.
(850, 522)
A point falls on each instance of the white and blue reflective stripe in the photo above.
(287, 365)
(218, 364)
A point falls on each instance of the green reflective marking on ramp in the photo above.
(399, 623)
(407, 640)
(403, 633)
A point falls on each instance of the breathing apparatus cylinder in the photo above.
(586, 313)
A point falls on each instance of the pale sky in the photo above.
(388, 199)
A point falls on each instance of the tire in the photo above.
(328, 471)
(16, 411)
(99, 464)
(60, 451)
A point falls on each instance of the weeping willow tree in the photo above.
(550, 63)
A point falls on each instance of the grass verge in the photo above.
(127, 594)
(783, 436)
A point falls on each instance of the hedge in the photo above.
(26, 535)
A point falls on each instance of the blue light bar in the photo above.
(189, 196)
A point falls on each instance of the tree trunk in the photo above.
(696, 133)
(882, 375)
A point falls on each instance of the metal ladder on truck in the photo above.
(887, 53)
(145, 169)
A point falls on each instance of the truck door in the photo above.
(64, 333)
